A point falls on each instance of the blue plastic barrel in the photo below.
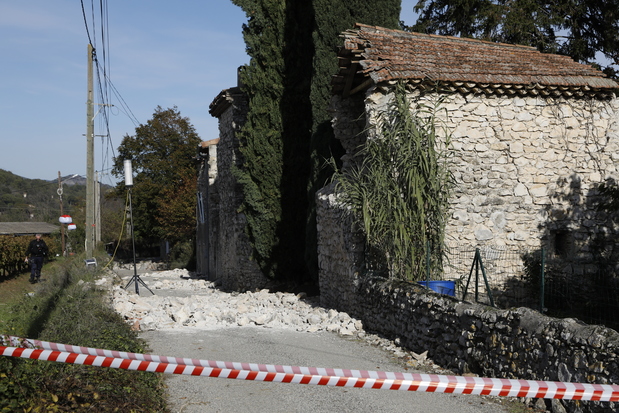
(441, 287)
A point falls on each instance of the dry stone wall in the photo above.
(514, 344)
(462, 336)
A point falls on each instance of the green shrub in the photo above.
(183, 255)
(69, 309)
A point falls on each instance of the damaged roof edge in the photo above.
(388, 54)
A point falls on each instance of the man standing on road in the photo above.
(35, 253)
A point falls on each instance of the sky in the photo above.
(155, 53)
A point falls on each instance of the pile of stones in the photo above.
(181, 301)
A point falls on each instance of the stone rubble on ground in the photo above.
(203, 306)
(183, 302)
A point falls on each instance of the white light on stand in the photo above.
(129, 184)
(128, 173)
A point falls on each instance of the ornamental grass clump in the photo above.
(399, 190)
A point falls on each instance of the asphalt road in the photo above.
(191, 394)
(256, 344)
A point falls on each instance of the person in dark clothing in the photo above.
(37, 250)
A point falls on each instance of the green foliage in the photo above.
(272, 169)
(69, 309)
(176, 206)
(332, 18)
(162, 153)
(183, 255)
(580, 29)
(41, 203)
(287, 135)
(23, 199)
(13, 251)
(399, 190)
(113, 216)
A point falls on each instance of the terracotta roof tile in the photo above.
(386, 54)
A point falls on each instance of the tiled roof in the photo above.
(374, 54)
(27, 228)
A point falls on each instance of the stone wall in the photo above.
(515, 344)
(235, 268)
(340, 253)
(526, 171)
(462, 336)
(521, 163)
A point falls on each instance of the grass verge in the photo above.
(68, 308)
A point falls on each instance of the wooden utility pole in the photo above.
(61, 213)
(90, 160)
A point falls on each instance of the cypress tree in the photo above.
(274, 141)
(292, 46)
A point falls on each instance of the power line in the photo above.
(86, 22)
(105, 88)
(124, 107)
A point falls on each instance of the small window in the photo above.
(562, 243)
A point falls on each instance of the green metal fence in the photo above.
(557, 286)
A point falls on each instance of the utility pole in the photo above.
(90, 160)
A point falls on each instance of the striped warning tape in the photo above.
(412, 382)
(272, 368)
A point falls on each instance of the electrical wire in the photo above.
(105, 88)
(86, 22)
(124, 106)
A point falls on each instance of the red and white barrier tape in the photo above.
(271, 368)
(414, 382)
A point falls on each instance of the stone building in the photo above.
(207, 172)
(230, 252)
(533, 136)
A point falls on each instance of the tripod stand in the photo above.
(136, 278)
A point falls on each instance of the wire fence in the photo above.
(504, 277)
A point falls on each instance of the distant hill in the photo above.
(74, 179)
(23, 199)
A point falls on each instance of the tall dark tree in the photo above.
(588, 31)
(162, 153)
(262, 140)
(332, 17)
(292, 45)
